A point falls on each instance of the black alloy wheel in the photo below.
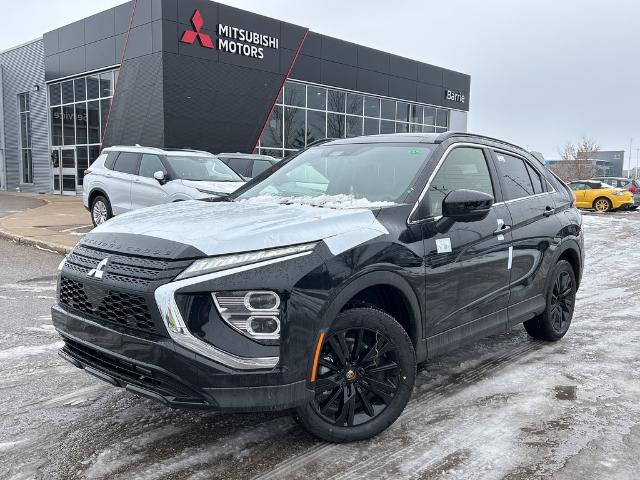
(366, 370)
(554, 322)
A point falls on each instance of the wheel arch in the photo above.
(387, 291)
(570, 251)
(95, 193)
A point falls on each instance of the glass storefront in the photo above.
(78, 110)
(305, 113)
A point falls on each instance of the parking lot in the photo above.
(507, 407)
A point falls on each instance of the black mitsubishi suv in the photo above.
(320, 285)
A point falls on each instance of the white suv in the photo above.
(126, 178)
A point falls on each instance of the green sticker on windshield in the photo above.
(414, 151)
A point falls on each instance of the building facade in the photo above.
(199, 74)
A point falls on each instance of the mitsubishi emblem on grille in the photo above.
(98, 271)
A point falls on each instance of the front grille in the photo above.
(109, 307)
(128, 372)
(123, 297)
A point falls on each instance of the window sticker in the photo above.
(500, 158)
(414, 151)
(443, 245)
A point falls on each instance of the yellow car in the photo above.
(600, 196)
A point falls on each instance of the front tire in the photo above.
(366, 372)
(554, 322)
(100, 210)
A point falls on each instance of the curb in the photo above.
(32, 242)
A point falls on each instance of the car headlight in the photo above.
(255, 313)
(224, 262)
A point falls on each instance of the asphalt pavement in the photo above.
(504, 408)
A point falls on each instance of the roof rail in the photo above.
(141, 147)
(446, 135)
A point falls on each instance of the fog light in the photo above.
(263, 326)
(261, 301)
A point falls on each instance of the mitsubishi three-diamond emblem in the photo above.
(98, 272)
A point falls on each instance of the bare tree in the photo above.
(576, 161)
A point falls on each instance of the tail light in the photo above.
(633, 189)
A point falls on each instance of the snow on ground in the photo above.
(504, 408)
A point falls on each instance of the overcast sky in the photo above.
(543, 72)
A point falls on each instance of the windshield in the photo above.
(211, 169)
(344, 176)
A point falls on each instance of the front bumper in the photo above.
(162, 370)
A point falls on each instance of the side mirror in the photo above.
(466, 205)
(159, 176)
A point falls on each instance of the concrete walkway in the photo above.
(52, 222)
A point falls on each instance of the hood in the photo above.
(220, 187)
(226, 227)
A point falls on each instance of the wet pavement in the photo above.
(504, 408)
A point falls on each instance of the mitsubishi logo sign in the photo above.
(189, 36)
(98, 272)
(231, 39)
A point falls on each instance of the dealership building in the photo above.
(203, 75)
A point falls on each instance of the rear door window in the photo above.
(514, 177)
(127, 162)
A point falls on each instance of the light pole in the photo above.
(637, 155)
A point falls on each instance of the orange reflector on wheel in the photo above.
(317, 356)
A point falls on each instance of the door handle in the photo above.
(548, 211)
(501, 230)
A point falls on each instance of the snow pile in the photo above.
(340, 201)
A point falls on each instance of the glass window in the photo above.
(429, 116)
(94, 152)
(416, 113)
(427, 129)
(259, 166)
(371, 126)
(402, 127)
(403, 113)
(536, 180)
(316, 125)
(27, 166)
(272, 135)
(336, 101)
(55, 96)
(200, 168)
(271, 153)
(295, 94)
(464, 168)
(415, 128)
(336, 172)
(388, 109)
(442, 118)
(127, 162)
(241, 166)
(93, 87)
(335, 125)
(387, 127)
(372, 107)
(83, 163)
(93, 121)
(354, 103)
(80, 88)
(105, 105)
(81, 123)
(354, 126)
(67, 91)
(106, 84)
(151, 164)
(56, 126)
(111, 160)
(513, 177)
(294, 127)
(68, 129)
(316, 97)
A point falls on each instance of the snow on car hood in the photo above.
(219, 187)
(228, 227)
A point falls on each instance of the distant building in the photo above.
(614, 161)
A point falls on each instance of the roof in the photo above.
(156, 150)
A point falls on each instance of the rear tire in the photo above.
(602, 204)
(554, 322)
(365, 376)
(100, 210)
